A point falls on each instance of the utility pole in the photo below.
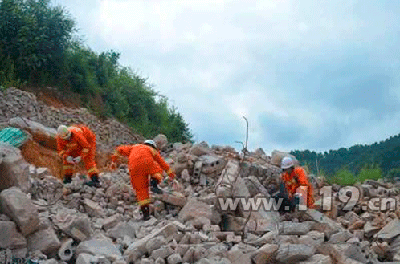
(247, 131)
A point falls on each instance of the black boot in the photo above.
(94, 182)
(67, 178)
(146, 212)
(154, 186)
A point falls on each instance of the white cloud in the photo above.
(218, 60)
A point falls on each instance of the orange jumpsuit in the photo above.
(143, 161)
(296, 179)
(81, 143)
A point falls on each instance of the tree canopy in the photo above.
(38, 47)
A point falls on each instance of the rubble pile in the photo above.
(17, 103)
(47, 222)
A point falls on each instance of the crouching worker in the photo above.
(144, 161)
(74, 144)
(295, 188)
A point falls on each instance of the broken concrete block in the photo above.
(313, 238)
(340, 237)
(73, 224)
(14, 170)
(99, 247)
(86, 259)
(111, 221)
(291, 228)
(174, 259)
(266, 254)
(370, 229)
(93, 209)
(10, 237)
(291, 253)
(163, 252)
(45, 241)
(155, 243)
(194, 209)
(323, 223)
(237, 256)
(16, 205)
(123, 229)
(389, 232)
(318, 259)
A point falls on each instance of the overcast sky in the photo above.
(307, 74)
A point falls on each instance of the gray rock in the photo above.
(174, 259)
(290, 253)
(318, 259)
(237, 256)
(390, 231)
(86, 259)
(340, 237)
(73, 224)
(14, 169)
(194, 209)
(93, 209)
(123, 229)
(16, 205)
(45, 241)
(99, 247)
(10, 237)
(163, 252)
(291, 228)
(266, 254)
(155, 243)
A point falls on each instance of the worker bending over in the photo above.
(76, 143)
(144, 161)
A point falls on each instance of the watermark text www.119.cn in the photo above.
(349, 196)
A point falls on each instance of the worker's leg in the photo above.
(140, 183)
(155, 179)
(91, 167)
(68, 171)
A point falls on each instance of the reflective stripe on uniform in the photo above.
(67, 167)
(144, 202)
(93, 170)
(154, 152)
(85, 150)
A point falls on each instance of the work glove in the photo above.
(113, 166)
(77, 160)
(70, 160)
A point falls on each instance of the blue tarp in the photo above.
(13, 136)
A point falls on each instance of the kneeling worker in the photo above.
(144, 161)
(297, 187)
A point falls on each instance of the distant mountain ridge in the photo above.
(385, 154)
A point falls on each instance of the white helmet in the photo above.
(286, 163)
(151, 143)
(63, 132)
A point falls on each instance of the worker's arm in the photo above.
(80, 138)
(303, 182)
(62, 151)
(123, 150)
(157, 157)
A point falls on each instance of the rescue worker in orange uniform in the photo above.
(76, 143)
(298, 188)
(144, 161)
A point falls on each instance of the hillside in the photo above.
(385, 154)
(39, 48)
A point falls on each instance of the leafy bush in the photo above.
(369, 173)
(343, 177)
